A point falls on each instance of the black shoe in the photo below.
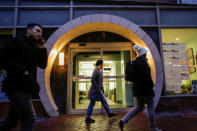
(121, 124)
(89, 120)
(112, 114)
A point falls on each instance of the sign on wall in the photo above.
(175, 63)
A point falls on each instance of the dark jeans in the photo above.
(141, 101)
(21, 109)
(92, 104)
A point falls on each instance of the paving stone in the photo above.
(73, 122)
(70, 122)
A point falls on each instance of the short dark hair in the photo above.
(32, 25)
(99, 62)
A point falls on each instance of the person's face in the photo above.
(35, 33)
(101, 66)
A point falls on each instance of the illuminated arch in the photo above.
(92, 23)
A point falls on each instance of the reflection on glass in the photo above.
(84, 63)
(86, 68)
(117, 91)
(80, 94)
(180, 58)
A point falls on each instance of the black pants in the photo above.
(21, 109)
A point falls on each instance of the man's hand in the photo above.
(41, 43)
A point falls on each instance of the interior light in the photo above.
(177, 39)
(61, 58)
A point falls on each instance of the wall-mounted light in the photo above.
(61, 58)
(177, 39)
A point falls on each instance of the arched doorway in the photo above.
(92, 23)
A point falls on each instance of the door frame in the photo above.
(93, 47)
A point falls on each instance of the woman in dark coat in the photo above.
(142, 89)
(96, 92)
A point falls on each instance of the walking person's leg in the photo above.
(106, 106)
(20, 109)
(151, 113)
(89, 111)
(27, 113)
(133, 112)
(12, 117)
(104, 103)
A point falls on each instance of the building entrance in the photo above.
(82, 59)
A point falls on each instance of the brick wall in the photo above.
(177, 104)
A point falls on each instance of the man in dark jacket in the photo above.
(20, 57)
(142, 89)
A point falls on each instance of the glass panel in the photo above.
(104, 3)
(84, 63)
(178, 17)
(180, 58)
(80, 88)
(114, 62)
(43, 2)
(116, 90)
(7, 2)
(83, 66)
(189, 1)
(136, 16)
(7, 17)
(44, 17)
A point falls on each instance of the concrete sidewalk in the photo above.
(72, 122)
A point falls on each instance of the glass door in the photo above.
(82, 61)
(117, 91)
(82, 66)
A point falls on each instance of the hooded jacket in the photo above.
(143, 86)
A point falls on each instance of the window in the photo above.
(7, 2)
(189, 1)
(180, 60)
(7, 17)
(43, 17)
(43, 3)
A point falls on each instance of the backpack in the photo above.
(130, 71)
